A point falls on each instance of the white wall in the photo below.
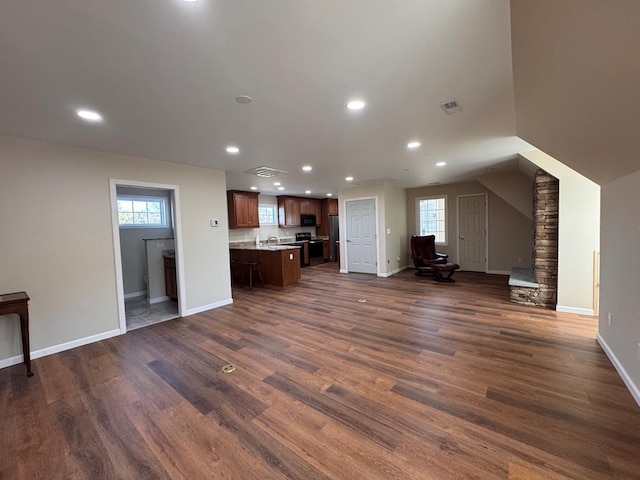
(620, 277)
(48, 194)
(578, 233)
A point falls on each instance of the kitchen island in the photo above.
(279, 264)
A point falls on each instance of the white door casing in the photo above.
(177, 229)
(361, 236)
(472, 232)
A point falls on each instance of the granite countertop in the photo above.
(267, 248)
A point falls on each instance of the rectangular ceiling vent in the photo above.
(451, 106)
(265, 172)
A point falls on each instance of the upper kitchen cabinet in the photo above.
(288, 211)
(331, 206)
(328, 206)
(243, 209)
(311, 206)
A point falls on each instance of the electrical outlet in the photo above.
(214, 222)
(609, 318)
(398, 258)
(519, 259)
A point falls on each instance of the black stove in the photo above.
(315, 247)
(303, 236)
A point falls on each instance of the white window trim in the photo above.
(165, 213)
(273, 208)
(446, 216)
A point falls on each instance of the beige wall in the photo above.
(367, 191)
(510, 235)
(576, 82)
(396, 238)
(57, 241)
(513, 187)
(578, 233)
(620, 277)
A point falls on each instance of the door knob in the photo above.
(348, 240)
(461, 238)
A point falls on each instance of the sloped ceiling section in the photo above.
(576, 71)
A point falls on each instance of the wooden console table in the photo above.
(17, 303)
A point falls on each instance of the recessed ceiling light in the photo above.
(356, 104)
(232, 149)
(276, 183)
(243, 99)
(349, 179)
(307, 192)
(89, 115)
(253, 187)
(413, 144)
(329, 194)
(441, 164)
(307, 168)
(280, 188)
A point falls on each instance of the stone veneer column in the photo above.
(545, 244)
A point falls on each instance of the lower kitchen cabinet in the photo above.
(170, 282)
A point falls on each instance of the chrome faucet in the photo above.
(272, 237)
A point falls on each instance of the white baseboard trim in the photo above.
(135, 294)
(499, 272)
(211, 306)
(579, 311)
(7, 362)
(633, 388)
(342, 270)
(397, 270)
(158, 300)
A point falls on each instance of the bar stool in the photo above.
(249, 267)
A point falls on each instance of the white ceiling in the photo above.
(165, 73)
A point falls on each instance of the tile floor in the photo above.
(141, 314)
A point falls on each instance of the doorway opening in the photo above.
(147, 250)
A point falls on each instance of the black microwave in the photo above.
(307, 220)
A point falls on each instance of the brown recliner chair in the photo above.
(429, 262)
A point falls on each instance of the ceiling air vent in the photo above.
(265, 172)
(451, 106)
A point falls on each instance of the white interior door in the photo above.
(361, 236)
(472, 233)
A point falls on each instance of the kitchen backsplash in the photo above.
(249, 234)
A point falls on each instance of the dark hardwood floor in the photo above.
(337, 378)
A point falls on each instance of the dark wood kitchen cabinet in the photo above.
(170, 282)
(326, 256)
(290, 209)
(328, 206)
(243, 209)
(311, 206)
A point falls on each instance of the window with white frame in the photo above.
(267, 215)
(142, 212)
(431, 213)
